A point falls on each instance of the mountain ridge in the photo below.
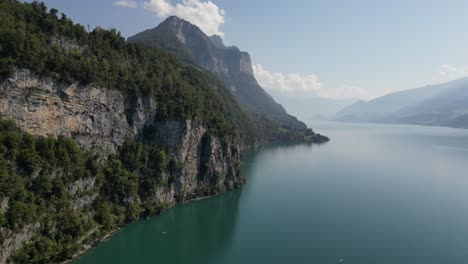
(96, 133)
(444, 104)
(230, 64)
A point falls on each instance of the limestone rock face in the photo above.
(101, 120)
(208, 52)
(218, 41)
(84, 192)
(94, 117)
(208, 162)
(4, 204)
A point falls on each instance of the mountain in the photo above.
(436, 105)
(230, 64)
(310, 108)
(217, 41)
(96, 133)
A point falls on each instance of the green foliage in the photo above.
(20, 213)
(130, 184)
(35, 173)
(104, 215)
(299, 136)
(35, 38)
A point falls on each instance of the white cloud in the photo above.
(205, 14)
(286, 83)
(126, 3)
(450, 72)
(296, 84)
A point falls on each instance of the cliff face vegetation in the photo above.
(56, 197)
(231, 65)
(96, 133)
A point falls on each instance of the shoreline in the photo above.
(87, 247)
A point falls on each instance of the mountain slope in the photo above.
(311, 108)
(96, 133)
(228, 63)
(437, 105)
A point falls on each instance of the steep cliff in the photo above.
(99, 120)
(108, 133)
(96, 132)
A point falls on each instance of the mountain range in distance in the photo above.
(443, 104)
(96, 132)
(435, 105)
(310, 108)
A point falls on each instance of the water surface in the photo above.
(374, 194)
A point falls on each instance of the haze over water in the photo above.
(373, 194)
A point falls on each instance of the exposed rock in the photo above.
(81, 185)
(66, 44)
(95, 117)
(218, 41)
(84, 201)
(205, 158)
(15, 240)
(102, 119)
(165, 195)
(230, 64)
(4, 204)
(84, 192)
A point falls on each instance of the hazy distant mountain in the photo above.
(436, 105)
(230, 64)
(309, 108)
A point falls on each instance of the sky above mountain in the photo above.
(334, 49)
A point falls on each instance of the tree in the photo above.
(19, 214)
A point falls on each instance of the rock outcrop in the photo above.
(101, 120)
(4, 204)
(40, 106)
(208, 162)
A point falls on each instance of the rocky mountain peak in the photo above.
(230, 64)
(217, 41)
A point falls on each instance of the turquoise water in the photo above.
(374, 194)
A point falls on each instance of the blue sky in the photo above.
(328, 48)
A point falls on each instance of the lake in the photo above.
(391, 194)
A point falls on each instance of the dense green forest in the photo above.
(35, 38)
(36, 173)
(50, 44)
